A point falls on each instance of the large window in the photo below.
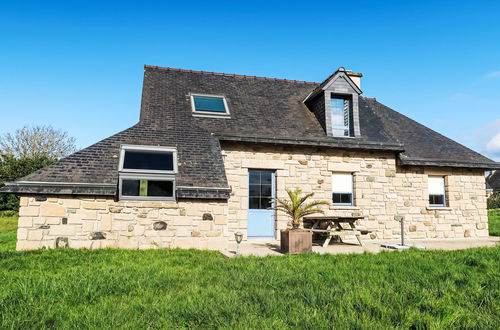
(147, 172)
(340, 116)
(342, 189)
(437, 194)
(209, 105)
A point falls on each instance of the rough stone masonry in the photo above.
(382, 191)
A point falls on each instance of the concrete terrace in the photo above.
(267, 247)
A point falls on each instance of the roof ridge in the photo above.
(229, 74)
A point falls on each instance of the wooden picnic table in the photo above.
(332, 226)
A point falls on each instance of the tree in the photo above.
(12, 168)
(37, 141)
(297, 208)
(28, 150)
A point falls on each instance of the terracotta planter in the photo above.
(296, 241)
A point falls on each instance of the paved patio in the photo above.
(265, 247)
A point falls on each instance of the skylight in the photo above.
(209, 105)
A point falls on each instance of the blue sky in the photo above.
(78, 65)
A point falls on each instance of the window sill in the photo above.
(344, 207)
(211, 115)
(439, 208)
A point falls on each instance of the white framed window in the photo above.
(205, 105)
(342, 189)
(148, 159)
(147, 172)
(339, 110)
(437, 191)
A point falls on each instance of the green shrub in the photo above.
(493, 201)
(12, 168)
(8, 213)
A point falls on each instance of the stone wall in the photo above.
(382, 190)
(88, 222)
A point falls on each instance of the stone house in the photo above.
(212, 150)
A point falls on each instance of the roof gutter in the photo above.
(449, 163)
(59, 188)
(343, 143)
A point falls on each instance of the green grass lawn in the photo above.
(200, 289)
(494, 222)
(8, 226)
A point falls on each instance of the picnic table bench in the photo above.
(332, 226)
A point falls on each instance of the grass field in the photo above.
(494, 222)
(8, 226)
(199, 289)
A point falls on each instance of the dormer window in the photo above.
(335, 103)
(209, 105)
(340, 108)
(147, 172)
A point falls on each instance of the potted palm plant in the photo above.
(297, 240)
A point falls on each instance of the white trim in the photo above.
(149, 178)
(443, 178)
(351, 192)
(159, 149)
(209, 114)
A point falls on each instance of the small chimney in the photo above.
(355, 77)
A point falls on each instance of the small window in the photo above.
(342, 189)
(209, 105)
(147, 188)
(437, 194)
(148, 159)
(340, 116)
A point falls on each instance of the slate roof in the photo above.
(263, 110)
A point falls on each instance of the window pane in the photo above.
(254, 203)
(148, 160)
(130, 187)
(160, 188)
(267, 177)
(212, 104)
(340, 132)
(336, 198)
(436, 200)
(254, 190)
(340, 116)
(346, 198)
(254, 177)
(266, 203)
(266, 190)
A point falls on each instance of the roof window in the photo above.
(209, 105)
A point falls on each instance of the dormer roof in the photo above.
(341, 73)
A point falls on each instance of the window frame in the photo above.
(445, 204)
(209, 114)
(125, 147)
(151, 177)
(345, 98)
(344, 192)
